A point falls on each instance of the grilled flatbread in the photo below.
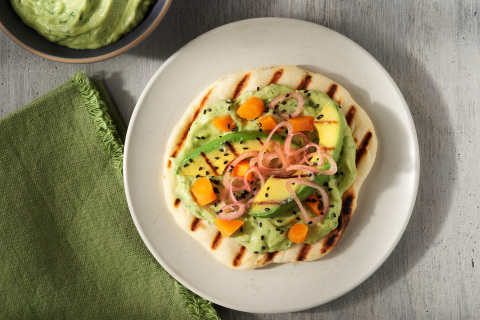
(227, 250)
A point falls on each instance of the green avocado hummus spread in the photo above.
(264, 233)
(82, 24)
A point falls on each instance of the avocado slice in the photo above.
(212, 158)
(274, 198)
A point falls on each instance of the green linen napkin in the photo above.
(68, 246)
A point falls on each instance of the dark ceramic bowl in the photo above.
(29, 39)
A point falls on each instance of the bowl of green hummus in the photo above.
(80, 31)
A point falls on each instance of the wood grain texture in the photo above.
(432, 51)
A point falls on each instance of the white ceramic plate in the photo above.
(385, 202)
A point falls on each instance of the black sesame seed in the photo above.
(310, 222)
(209, 110)
(206, 173)
(228, 126)
(279, 221)
(216, 158)
(197, 137)
(263, 247)
(215, 168)
(225, 162)
(215, 189)
(276, 106)
(241, 141)
(231, 166)
(278, 229)
(221, 150)
(319, 116)
(185, 165)
(334, 215)
(298, 218)
(262, 237)
(308, 94)
(266, 195)
(316, 106)
(245, 148)
(282, 231)
(200, 168)
(260, 224)
(260, 129)
(268, 188)
(203, 137)
(284, 102)
(256, 252)
(305, 91)
(290, 116)
(259, 124)
(294, 212)
(283, 111)
(225, 154)
(287, 95)
(325, 184)
(267, 209)
(329, 189)
(319, 207)
(258, 88)
(204, 111)
(190, 160)
(228, 108)
(331, 206)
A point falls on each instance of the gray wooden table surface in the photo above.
(432, 51)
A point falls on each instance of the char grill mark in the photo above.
(207, 160)
(240, 86)
(260, 141)
(238, 258)
(196, 223)
(332, 90)
(305, 82)
(362, 149)
(276, 76)
(169, 164)
(217, 240)
(270, 256)
(302, 255)
(177, 202)
(187, 128)
(350, 114)
(276, 203)
(334, 236)
(231, 148)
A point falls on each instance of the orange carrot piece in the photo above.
(315, 204)
(298, 232)
(251, 109)
(202, 189)
(241, 169)
(268, 123)
(224, 124)
(227, 228)
(304, 123)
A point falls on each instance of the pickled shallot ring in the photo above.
(279, 99)
(232, 165)
(308, 220)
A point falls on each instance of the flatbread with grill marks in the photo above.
(227, 250)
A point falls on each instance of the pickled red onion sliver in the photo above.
(309, 220)
(226, 214)
(279, 99)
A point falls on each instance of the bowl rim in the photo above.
(102, 57)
